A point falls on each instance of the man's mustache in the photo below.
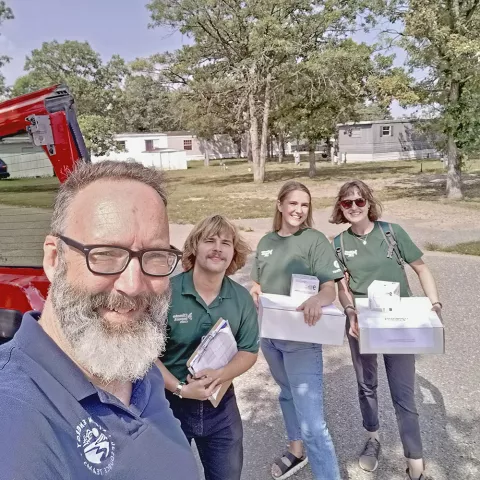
(116, 301)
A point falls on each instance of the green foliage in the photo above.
(5, 14)
(96, 86)
(98, 132)
(146, 105)
(247, 54)
(441, 38)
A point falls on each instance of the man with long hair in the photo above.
(201, 295)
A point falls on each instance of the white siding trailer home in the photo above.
(149, 149)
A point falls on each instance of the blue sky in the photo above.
(110, 26)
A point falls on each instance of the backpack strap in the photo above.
(339, 250)
(389, 236)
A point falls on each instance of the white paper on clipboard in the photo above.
(216, 350)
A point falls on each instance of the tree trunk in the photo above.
(258, 175)
(266, 115)
(248, 146)
(206, 153)
(312, 171)
(239, 147)
(281, 146)
(454, 173)
(270, 147)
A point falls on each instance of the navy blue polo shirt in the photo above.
(55, 424)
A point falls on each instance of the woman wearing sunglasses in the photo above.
(297, 367)
(363, 250)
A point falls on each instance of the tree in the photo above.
(5, 14)
(97, 86)
(254, 42)
(330, 84)
(98, 132)
(441, 38)
(147, 105)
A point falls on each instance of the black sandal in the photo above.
(289, 464)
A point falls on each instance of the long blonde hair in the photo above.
(288, 187)
(210, 227)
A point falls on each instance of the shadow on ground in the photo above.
(446, 437)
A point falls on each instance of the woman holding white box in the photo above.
(293, 247)
(372, 250)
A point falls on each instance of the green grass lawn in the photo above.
(28, 192)
(467, 248)
(199, 190)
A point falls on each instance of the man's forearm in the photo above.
(170, 380)
(239, 364)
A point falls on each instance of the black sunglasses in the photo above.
(113, 260)
(359, 202)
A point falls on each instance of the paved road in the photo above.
(448, 395)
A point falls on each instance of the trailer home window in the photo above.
(386, 130)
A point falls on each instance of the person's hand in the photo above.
(207, 373)
(312, 310)
(200, 389)
(255, 292)
(353, 319)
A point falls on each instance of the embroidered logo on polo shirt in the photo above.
(266, 253)
(182, 317)
(96, 447)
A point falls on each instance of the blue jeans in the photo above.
(297, 367)
(218, 433)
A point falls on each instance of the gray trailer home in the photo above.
(382, 140)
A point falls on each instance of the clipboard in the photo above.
(202, 349)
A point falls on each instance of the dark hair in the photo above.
(288, 187)
(375, 208)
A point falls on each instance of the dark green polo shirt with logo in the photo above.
(369, 262)
(189, 319)
(307, 252)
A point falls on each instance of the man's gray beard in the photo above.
(123, 352)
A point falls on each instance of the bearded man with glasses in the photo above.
(80, 395)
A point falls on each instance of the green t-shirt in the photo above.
(369, 262)
(307, 252)
(190, 319)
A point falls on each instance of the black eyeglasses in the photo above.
(359, 202)
(112, 260)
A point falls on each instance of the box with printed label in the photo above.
(384, 296)
(413, 328)
(279, 319)
(304, 286)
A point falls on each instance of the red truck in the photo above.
(48, 117)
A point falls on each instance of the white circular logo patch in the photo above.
(336, 264)
(96, 446)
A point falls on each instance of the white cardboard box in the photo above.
(384, 296)
(280, 320)
(411, 328)
(304, 286)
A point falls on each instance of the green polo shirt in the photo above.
(369, 262)
(190, 319)
(307, 252)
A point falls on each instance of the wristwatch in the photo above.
(178, 390)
